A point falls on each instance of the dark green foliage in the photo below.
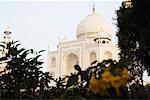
(23, 79)
(22, 76)
(77, 67)
(73, 79)
(76, 85)
(133, 36)
(141, 10)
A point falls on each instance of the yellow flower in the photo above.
(93, 84)
(107, 68)
(103, 84)
(98, 86)
(106, 76)
(125, 75)
(116, 81)
(118, 92)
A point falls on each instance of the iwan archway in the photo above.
(92, 57)
(108, 55)
(70, 60)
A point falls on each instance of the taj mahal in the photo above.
(94, 42)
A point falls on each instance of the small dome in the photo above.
(92, 25)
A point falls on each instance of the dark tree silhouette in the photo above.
(141, 10)
(133, 33)
(22, 76)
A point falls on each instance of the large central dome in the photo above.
(92, 25)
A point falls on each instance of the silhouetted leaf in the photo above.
(77, 67)
(41, 51)
(21, 50)
(18, 45)
(94, 62)
(13, 42)
(99, 64)
(72, 80)
(2, 46)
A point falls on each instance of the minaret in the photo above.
(5, 50)
(6, 41)
(126, 3)
(93, 8)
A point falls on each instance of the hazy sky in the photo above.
(38, 24)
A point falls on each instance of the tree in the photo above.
(133, 33)
(22, 76)
(141, 10)
(127, 39)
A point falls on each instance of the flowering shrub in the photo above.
(101, 80)
(110, 77)
(23, 79)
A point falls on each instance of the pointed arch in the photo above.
(92, 56)
(70, 60)
(108, 55)
(53, 62)
(53, 66)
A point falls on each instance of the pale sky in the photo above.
(38, 24)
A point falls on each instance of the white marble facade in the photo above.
(94, 42)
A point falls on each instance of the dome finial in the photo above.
(93, 7)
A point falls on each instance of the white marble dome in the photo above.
(92, 25)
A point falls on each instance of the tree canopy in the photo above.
(22, 76)
(133, 34)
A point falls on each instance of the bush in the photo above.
(22, 78)
(102, 80)
(22, 75)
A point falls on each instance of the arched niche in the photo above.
(103, 41)
(53, 62)
(53, 66)
(108, 55)
(92, 57)
(70, 60)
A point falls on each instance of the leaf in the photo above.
(3, 42)
(2, 46)
(94, 62)
(99, 64)
(15, 42)
(21, 50)
(72, 80)
(18, 44)
(41, 51)
(24, 54)
(3, 59)
(77, 67)
(31, 51)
